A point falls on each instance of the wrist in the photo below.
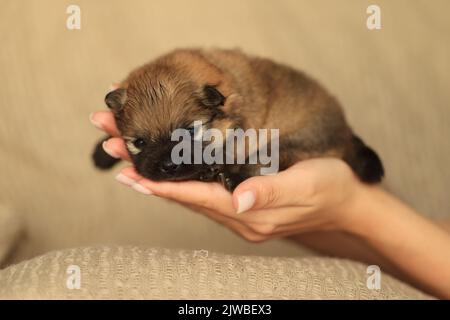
(367, 211)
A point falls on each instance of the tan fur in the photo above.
(259, 92)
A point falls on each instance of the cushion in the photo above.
(152, 273)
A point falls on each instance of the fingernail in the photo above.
(140, 188)
(125, 180)
(95, 123)
(246, 200)
(110, 152)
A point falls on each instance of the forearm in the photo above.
(413, 244)
(344, 245)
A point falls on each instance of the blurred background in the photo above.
(393, 83)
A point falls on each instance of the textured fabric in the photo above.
(137, 273)
(393, 84)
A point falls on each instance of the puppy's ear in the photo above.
(115, 100)
(212, 97)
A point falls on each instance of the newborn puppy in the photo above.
(226, 89)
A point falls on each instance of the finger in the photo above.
(131, 173)
(201, 194)
(287, 188)
(130, 177)
(261, 229)
(239, 228)
(104, 120)
(213, 215)
(271, 221)
(116, 148)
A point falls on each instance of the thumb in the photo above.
(280, 190)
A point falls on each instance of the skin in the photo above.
(319, 203)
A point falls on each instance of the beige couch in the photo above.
(392, 82)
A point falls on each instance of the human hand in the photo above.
(313, 195)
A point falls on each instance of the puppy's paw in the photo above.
(101, 159)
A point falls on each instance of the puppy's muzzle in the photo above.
(168, 167)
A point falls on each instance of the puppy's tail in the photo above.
(102, 160)
(364, 161)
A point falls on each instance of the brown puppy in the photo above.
(226, 89)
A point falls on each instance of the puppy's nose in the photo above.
(168, 166)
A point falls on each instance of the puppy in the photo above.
(226, 89)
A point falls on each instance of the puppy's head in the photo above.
(169, 94)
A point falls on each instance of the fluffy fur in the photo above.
(228, 89)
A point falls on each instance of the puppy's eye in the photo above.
(139, 143)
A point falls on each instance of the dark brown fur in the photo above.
(170, 93)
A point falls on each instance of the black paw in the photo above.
(230, 180)
(101, 159)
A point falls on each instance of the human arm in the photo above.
(312, 197)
